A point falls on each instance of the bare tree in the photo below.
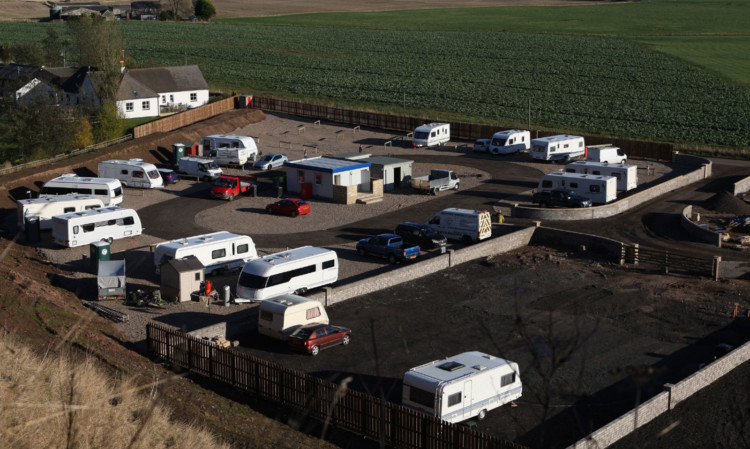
(98, 43)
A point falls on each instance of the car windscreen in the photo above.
(267, 157)
(223, 183)
(249, 280)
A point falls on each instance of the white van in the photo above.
(229, 149)
(107, 223)
(278, 317)
(108, 190)
(431, 134)
(463, 224)
(218, 251)
(203, 168)
(461, 387)
(599, 189)
(131, 173)
(606, 153)
(46, 207)
(626, 175)
(558, 148)
(510, 141)
(293, 271)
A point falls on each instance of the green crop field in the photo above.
(596, 76)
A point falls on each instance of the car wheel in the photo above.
(456, 186)
(110, 240)
(466, 240)
(315, 350)
(231, 197)
(482, 414)
(269, 210)
(392, 259)
(345, 340)
(543, 204)
(434, 191)
(293, 214)
(300, 291)
(361, 252)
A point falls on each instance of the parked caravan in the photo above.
(511, 141)
(89, 226)
(606, 153)
(109, 190)
(46, 207)
(132, 173)
(228, 149)
(599, 189)
(279, 317)
(202, 168)
(562, 147)
(217, 251)
(431, 135)
(626, 175)
(293, 271)
(461, 387)
(463, 224)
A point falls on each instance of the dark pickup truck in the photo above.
(389, 246)
(561, 198)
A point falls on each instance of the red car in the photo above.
(314, 337)
(289, 206)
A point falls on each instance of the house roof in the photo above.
(189, 263)
(151, 82)
(68, 79)
(328, 165)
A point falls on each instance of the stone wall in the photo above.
(698, 232)
(345, 194)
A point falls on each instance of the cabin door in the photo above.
(466, 403)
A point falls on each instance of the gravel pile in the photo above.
(726, 203)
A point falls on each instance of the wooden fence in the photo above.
(468, 131)
(670, 261)
(188, 117)
(354, 411)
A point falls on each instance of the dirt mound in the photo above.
(726, 203)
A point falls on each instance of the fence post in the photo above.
(623, 254)
(168, 348)
(666, 262)
(715, 267)
(190, 354)
(211, 361)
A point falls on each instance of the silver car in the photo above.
(269, 161)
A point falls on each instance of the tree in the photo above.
(98, 43)
(29, 53)
(84, 135)
(204, 9)
(53, 48)
(175, 9)
(110, 124)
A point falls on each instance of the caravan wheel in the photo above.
(482, 414)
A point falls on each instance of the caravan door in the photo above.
(467, 400)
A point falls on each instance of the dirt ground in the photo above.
(35, 9)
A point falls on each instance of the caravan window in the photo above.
(573, 185)
(69, 209)
(124, 172)
(433, 134)
(265, 315)
(420, 135)
(242, 248)
(617, 176)
(218, 253)
(313, 313)
(75, 229)
(252, 280)
(88, 227)
(546, 184)
(566, 146)
(595, 189)
(138, 174)
(421, 397)
(128, 221)
(454, 399)
(93, 206)
(596, 172)
(570, 170)
(103, 192)
(328, 264)
(507, 379)
(118, 192)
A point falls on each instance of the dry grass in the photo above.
(53, 402)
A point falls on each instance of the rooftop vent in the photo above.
(451, 366)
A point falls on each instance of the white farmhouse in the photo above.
(153, 92)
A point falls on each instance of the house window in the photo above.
(163, 98)
(301, 175)
(193, 96)
(197, 276)
(146, 105)
(129, 106)
(171, 98)
(337, 180)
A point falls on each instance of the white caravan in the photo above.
(599, 189)
(109, 190)
(558, 148)
(463, 224)
(218, 251)
(461, 387)
(229, 149)
(131, 173)
(511, 141)
(46, 207)
(626, 175)
(431, 135)
(606, 153)
(278, 317)
(293, 271)
(107, 223)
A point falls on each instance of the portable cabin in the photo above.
(316, 177)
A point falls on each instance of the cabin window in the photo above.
(421, 397)
(573, 185)
(328, 264)
(313, 313)
(123, 172)
(198, 276)
(88, 227)
(129, 106)
(242, 248)
(68, 210)
(128, 221)
(75, 229)
(318, 179)
(218, 253)
(146, 105)
(193, 96)
(266, 315)
(454, 399)
(546, 184)
(507, 379)
(595, 189)
(337, 180)
(301, 176)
